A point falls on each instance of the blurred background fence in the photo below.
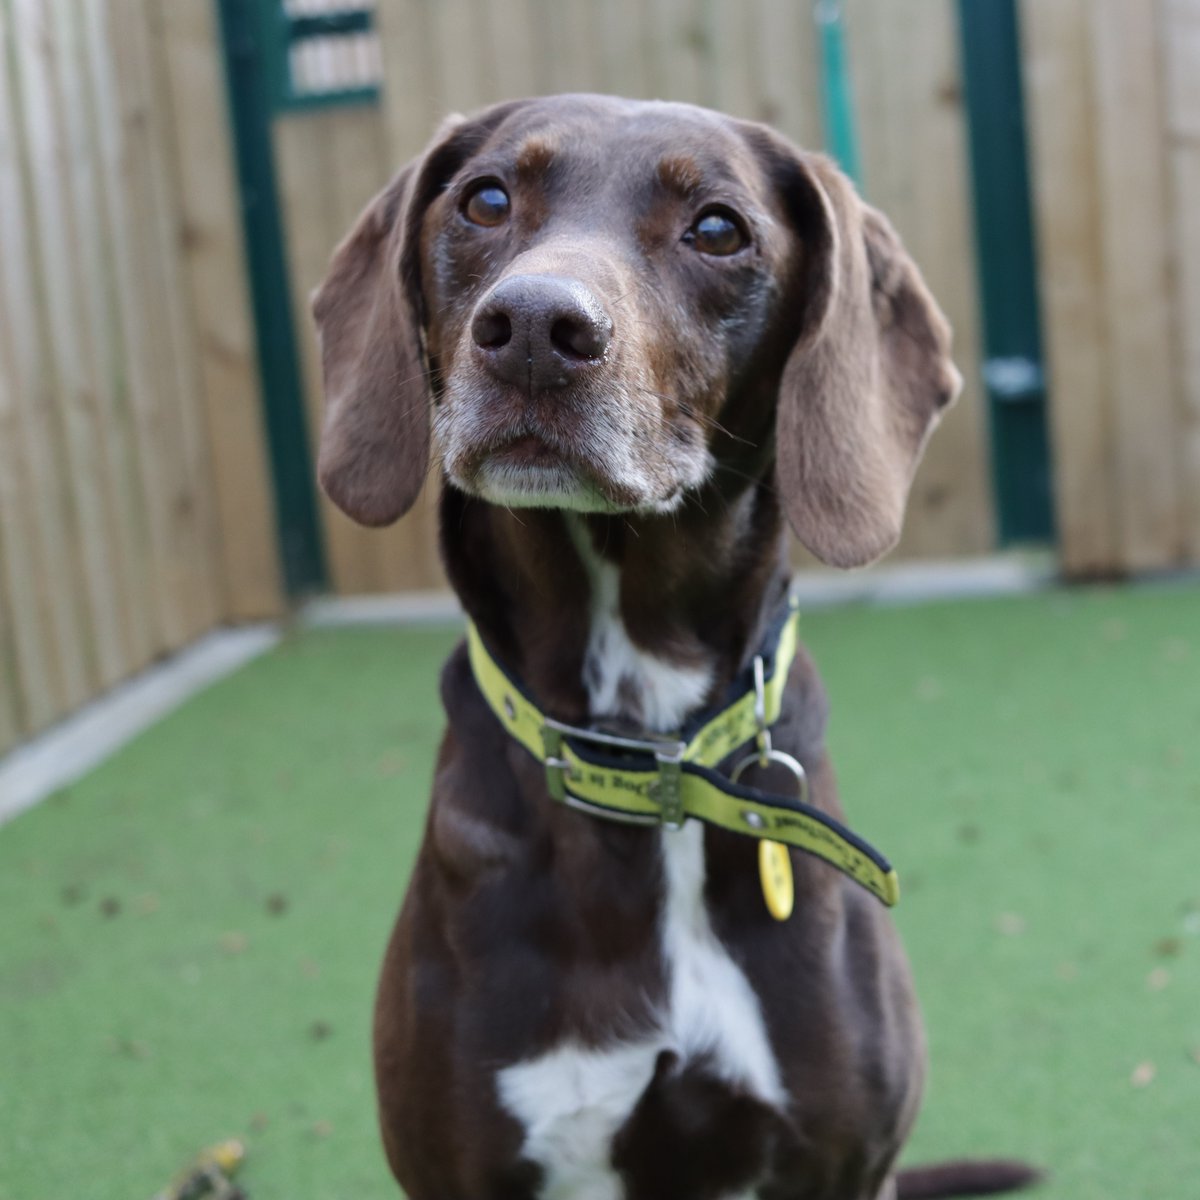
(174, 175)
(135, 507)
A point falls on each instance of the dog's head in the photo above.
(588, 297)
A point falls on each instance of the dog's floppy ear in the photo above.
(868, 376)
(375, 443)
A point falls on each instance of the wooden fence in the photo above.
(1113, 90)
(758, 59)
(135, 508)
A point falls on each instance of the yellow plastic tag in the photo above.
(775, 872)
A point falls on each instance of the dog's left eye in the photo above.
(718, 233)
(486, 204)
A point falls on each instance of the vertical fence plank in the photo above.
(567, 44)
(121, 125)
(410, 106)
(52, 177)
(197, 513)
(135, 315)
(51, 525)
(1180, 38)
(10, 704)
(24, 686)
(32, 668)
(462, 77)
(186, 43)
(1132, 178)
(786, 62)
(1058, 71)
(731, 35)
(622, 51)
(100, 329)
(161, 363)
(680, 49)
(513, 50)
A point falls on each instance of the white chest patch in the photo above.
(620, 675)
(573, 1099)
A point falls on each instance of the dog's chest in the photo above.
(572, 1099)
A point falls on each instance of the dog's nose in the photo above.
(540, 331)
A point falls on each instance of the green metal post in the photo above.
(1004, 238)
(283, 396)
(837, 105)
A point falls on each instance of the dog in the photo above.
(642, 339)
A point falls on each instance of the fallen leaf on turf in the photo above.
(1143, 1074)
(1176, 650)
(322, 1128)
(1158, 979)
(234, 942)
(1168, 947)
(1010, 924)
(390, 764)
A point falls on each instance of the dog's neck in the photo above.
(634, 620)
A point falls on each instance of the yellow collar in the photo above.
(663, 781)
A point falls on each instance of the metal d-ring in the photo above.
(781, 757)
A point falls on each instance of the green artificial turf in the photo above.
(189, 936)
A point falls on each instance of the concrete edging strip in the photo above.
(86, 738)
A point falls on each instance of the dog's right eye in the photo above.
(718, 233)
(486, 204)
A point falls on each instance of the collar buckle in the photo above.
(668, 755)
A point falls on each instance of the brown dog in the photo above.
(644, 335)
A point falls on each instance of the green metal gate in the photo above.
(265, 44)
